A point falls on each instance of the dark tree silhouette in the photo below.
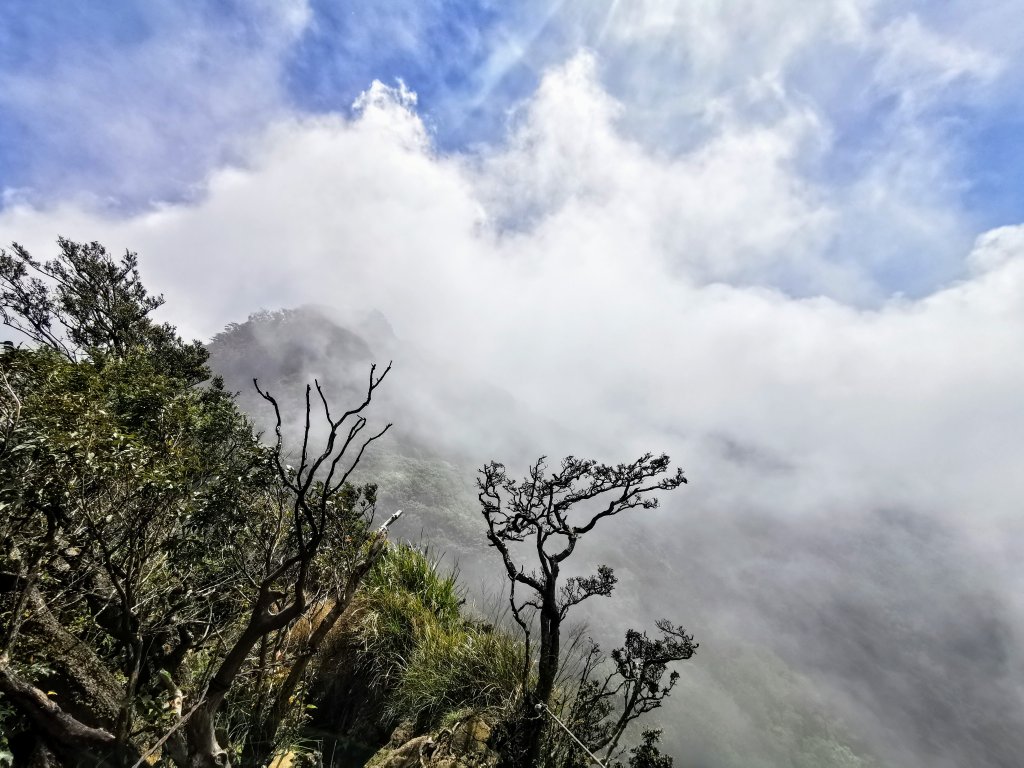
(647, 755)
(552, 512)
(634, 683)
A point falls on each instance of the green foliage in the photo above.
(8, 718)
(470, 667)
(121, 449)
(141, 508)
(403, 595)
(84, 302)
(422, 650)
(115, 473)
(416, 574)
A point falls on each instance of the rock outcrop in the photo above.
(465, 744)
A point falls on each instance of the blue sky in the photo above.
(69, 71)
(442, 50)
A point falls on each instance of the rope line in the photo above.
(565, 728)
(181, 721)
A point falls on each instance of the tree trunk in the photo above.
(547, 670)
(43, 757)
(84, 685)
(204, 751)
(27, 585)
(202, 748)
(59, 729)
(263, 745)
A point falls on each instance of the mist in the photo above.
(847, 548)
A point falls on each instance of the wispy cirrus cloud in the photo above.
(134, 105)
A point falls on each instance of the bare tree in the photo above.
(282, 595)
(551, 513)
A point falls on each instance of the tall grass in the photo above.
(402, 596)
(423, 651)
(452, 671)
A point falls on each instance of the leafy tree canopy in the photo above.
(84, 301)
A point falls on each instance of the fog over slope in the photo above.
(829, 636)
(847, 551)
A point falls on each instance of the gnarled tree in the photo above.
(552, 513)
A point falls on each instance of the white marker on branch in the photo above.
(384, 528)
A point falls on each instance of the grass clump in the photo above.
(422, 649)
(403, 596)
(405, 569)
(469, 668)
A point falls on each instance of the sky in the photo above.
(782, 241)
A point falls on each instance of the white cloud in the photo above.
(997, 248)
(877, 90)
(918, 62)
(638, 273)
